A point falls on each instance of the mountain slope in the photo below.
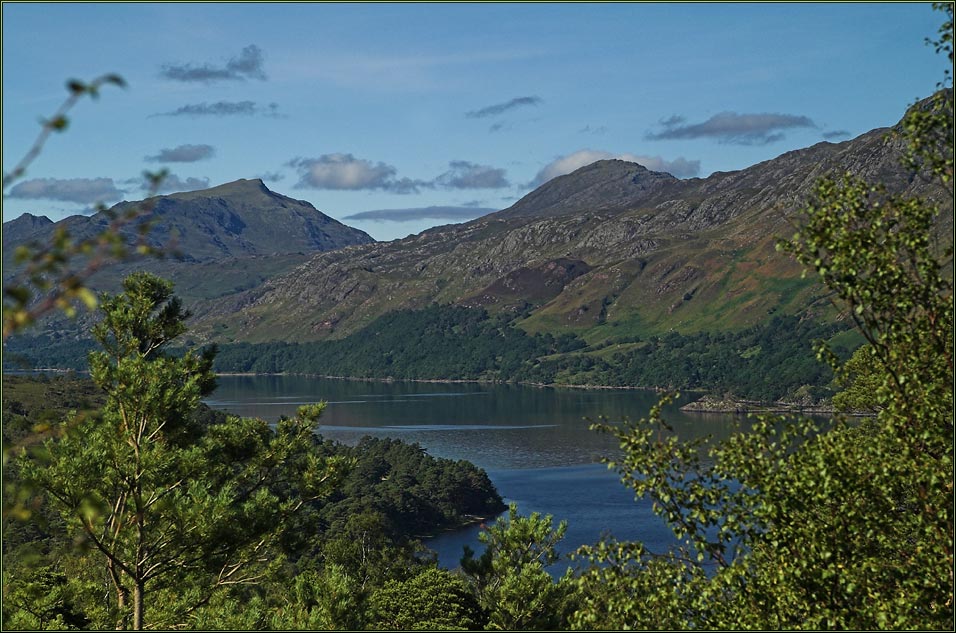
(24, 228)
(225, 239)
(245, 218)
(640, 252)
(237, 219)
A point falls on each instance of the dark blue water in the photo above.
(588, 496)
(534, 442)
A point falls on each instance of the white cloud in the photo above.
(173, 183)
(420, 213)
(467, 175)
(733, 127)
(346, 172)
(248, 65)
(501, 108)
(80, 190)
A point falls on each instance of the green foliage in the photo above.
(862, 380)
(765, 362)
(40, 599)
(435, 342)
(627, 587)
(511, 577)
(412, 492)
(928, 128)
(328, 557)
(166, 504)
(330, 600)
(435, 599)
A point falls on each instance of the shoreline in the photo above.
(452, 381)
(711, 404)
(705, 404)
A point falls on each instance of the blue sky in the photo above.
(397, 117)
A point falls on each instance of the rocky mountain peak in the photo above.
(21, 228)
(237, 189)
(600, 185)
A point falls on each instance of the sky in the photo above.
(394, 118)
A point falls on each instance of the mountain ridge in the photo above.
(234, 219)
(660, 253)
(215, 241)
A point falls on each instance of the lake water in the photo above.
(534, 442)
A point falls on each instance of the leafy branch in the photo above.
(48, 271)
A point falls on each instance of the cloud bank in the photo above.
(343, 171)
(500, 108)
(248, 65)
(79, 190)
(465, 175)
(183, 154)
(732, 127)
(836, 134)
(225, 108)
(421, 213)
(679, 167)
(173, 183)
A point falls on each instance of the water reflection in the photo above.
(495, 426)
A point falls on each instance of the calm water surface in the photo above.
(534, 442)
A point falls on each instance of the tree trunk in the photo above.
(121, 594)
(138, 605)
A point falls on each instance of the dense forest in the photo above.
(771, 361)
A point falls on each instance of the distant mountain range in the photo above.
(237, 219)
(610, 253)
(218, 240)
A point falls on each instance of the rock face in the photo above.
(603, 185)
(612, 245)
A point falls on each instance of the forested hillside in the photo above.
(769, 362)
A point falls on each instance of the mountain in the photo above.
(609, 251)
(237, 219)
(24, 228)
(245, 218)
(225, 238)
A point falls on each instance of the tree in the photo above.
(793, 525)
(435, 599)
(170, 506)
(861, 378)
(511, 577)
